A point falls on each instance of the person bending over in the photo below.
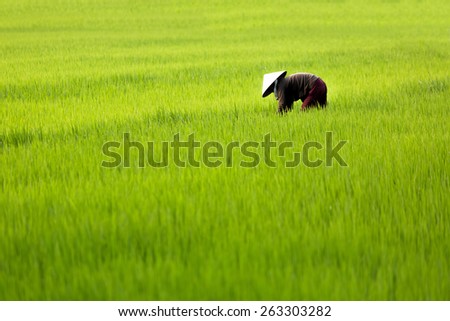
(309, 88)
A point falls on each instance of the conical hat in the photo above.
(268, 81)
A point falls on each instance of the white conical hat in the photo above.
(268, 81)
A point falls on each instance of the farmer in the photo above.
(307, 87)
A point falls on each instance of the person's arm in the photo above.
(284, 108)
(284, 103)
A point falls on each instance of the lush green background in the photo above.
(75, 74)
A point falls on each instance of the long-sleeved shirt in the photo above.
(292, 88)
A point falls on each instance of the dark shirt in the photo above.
(293, 88)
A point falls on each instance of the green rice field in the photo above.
(79, 75)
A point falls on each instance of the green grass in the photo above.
(76, 74)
